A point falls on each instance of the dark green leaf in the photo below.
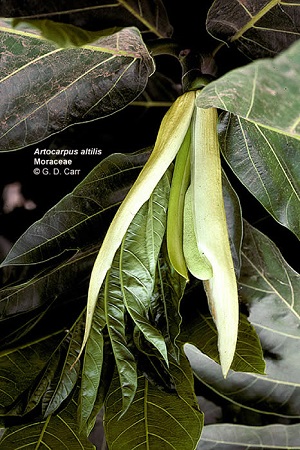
(56, 432)
(45, 89)
(66, 377)
(165, 304)
(91, 369)
(20, 367)
(228, 436)
(76, 221)
(115, 315)
(201, 332)
(270, 288)
(268, 164)
(155, 419)
(138, 259)
(148, 16)
(258, 28)
(261, 142)
(62, 34)
(27, 304)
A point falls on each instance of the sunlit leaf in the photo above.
(270, 289)
(258, 28)
(91, 368)
(261, 139)
(243, 437)
(56, 432)
(155, 419)
(45, 89)
(115, 315)
(138, 259)
(62, 34)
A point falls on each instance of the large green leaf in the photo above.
(76, 221)
(138, 260)
(115, 315)
(18, 368)
(149, 16)
(45, 89)
(201, 333)
(270, 288)
(33, 302)
(155, 419)
(56, 432)
(92, 369)
(229, 436)
(258, 28)
(261, 140)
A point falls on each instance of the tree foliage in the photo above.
(151, 345)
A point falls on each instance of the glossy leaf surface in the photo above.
(227, 436)
(55, 432)
(270, 288)
(45, 89)
(258, 28)
(262, 143)
(156, 419)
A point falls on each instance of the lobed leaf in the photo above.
(46, 89)
(258, 28)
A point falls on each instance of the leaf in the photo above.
(27, 305)
(261, 140)
(138, 260)
(268, 164)
(56, 432)
(258, 28)
(91, 369)
(202, 334)
(59, 87)
(219, 437)
(64, 382)
(166, 301)
(270, 288)
(64, 227)
(19, 367)
(149, 16)
(62, 34)
(265, 93)
(115, 314)
(156, 419)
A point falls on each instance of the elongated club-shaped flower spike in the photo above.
(171, 133)
(211, 231)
